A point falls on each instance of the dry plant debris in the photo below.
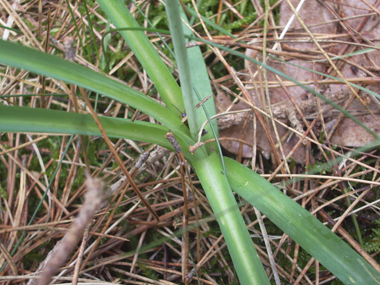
(123, 243)
(335, 36)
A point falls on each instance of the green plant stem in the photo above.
(223, 203)
(201, 87)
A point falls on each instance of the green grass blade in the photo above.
(105, 46)
(30, 120)
(301, 226)
(223, 203)
(91, 28)
(78, 30)
(202, 87)
(362, 51)
(148, 57)
(56, 67)
(178, 38)
(329, 76)
(207, 21)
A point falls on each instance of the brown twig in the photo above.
(185, 241)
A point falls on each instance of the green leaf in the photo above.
(146, 54)
(202, 86)
(175, 24)
(56, 67)
(29, 120)
(301, 226)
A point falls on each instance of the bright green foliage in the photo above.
(208, 8)
(3, 193)
(372, 243)
(237, 24)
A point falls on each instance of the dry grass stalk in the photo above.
(185, 239)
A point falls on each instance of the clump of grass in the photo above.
(154, 251)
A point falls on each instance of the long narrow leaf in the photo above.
(175, 24)
(201, 85)
(53, 66)
(336, 106)
(29, 120)
(148, 57)
(301, 226)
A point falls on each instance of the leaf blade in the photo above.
(301, 226)
(18, 119)
(53, 66)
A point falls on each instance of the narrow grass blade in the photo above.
(29, 120)
(148, 57)
(336, 106)
(175, 24)
(56, 67)
(329, 76)
(207, 21)
(201, 85)
(301, 226)
(363, 51)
